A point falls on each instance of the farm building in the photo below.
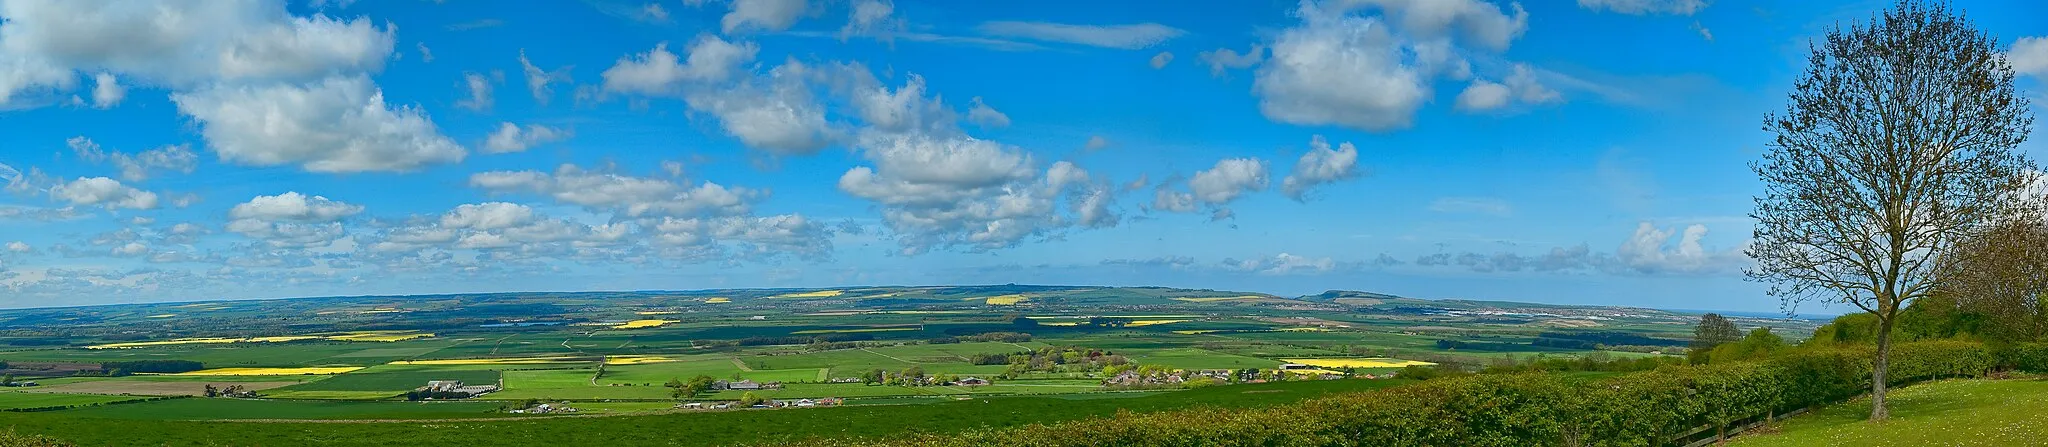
(971, 381)
(456, 387)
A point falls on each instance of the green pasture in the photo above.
(1946, 413)
(22, 399)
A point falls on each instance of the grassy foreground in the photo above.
(1947, 413)
(686, 428)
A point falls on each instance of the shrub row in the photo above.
(1648, 408)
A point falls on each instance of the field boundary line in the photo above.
(891, 357)
(742, 364)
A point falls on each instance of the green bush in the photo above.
(1522, 409)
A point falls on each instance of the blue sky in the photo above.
(1591, 152)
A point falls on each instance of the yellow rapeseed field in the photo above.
(642, 324)
(496, 361)
(1135, 323)
(656, 312)
(313, 370)
(814, 294)
(1007, 300)
(1366, 362)
(161, 316)
(181, 341)
(636, 359)
(718, 300)
(378, 336)
(1062, 323)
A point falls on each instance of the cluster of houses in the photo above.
(556, 408)
(771, 403)
(17, 384)
(745, 385)
(454, 389)
(1292, 371)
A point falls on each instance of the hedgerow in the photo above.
(1648, 408)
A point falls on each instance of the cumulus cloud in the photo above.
(103, 192)
(107, 91)
(1521, 86)
(293, 206)
(1126, 37)
(983, 115)
(479, 88)
(1342, 66)
(291, 219)
(136, 167)
(1222, 60)
(1643, 7)
(871, 18)
(1095, 143)
(775, 113)
(2029, 55)
(1282, 264)
(1650, 250)
(661, 72)
(340, 124)
(20, 247)
(512, 138)
(1229, 179)
(1160, 60)
(625, 195)
(537, 80)
(1320, 165)
(762, 15)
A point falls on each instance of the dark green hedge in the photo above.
(1639, 409)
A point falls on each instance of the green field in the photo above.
(396, 379)
(1947, 413)
(20, 399)
(199, 408)
(686, 428)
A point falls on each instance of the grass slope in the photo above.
(1948, 413)
(701, 428)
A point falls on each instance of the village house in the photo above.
(457, 387)
(971, 381)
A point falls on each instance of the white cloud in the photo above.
(131, 249)
(105, 192)
(1471, 205)
(871, 17)
(479, 88)
(660, 72)
(653, 12)
(511, 138)
(1320, 165)
(232, 40)
(488, 216)
(1127, 37)
(1224, 59)
(1096, 143)
(774, 113)
(20, 247)
(1483, 95)
(983, 115)
(293, 206)
(1229, 179)
(762, 15)
(1373, 72)
(1645, 252)
(1641, 7)
(136, 167)
(537, 80)
(625, 195)
(426, 54)
(107, 91)
(2029, 56)
(1174, 201)
(340, 124)
(1283, 264)
(1704, 32)
(1160, 60)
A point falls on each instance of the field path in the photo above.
(741, 364)
(824, 374)
(500, 344)
(891, 357)
(1027, 348)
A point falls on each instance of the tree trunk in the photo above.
(1878, 413)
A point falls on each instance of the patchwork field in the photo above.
(153, 387)
(18, 399)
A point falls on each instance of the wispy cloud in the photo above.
(475, 24)
(1128, 37)
(993, 44)
(1472, 205)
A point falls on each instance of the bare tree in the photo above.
(2002, 273)
(1898, 142)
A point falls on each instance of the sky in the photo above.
(1588, 152)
